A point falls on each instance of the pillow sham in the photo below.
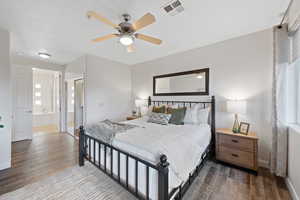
(197, 115)
(159, 118)
(160, 109)
(190, 115)
(170, 107)
(177, 116)
(202, 116)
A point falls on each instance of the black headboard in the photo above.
(210, 103)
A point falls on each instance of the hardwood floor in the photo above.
(51, 128)
(46, 154)
(49, 153)
(234, 184)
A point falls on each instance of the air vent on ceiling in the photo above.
(173, 7)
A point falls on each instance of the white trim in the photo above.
(18, 138)
(295, 128)
(263, 163)
(5, 165)
(291, 188)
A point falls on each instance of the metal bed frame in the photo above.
(87, 143)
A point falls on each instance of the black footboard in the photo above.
(90, 145)
(88, 148)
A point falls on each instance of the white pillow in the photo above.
(202, 116)
(196, 115)
(190, 115)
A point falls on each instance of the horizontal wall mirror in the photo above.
(186, 83)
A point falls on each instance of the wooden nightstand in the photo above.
(237, 149)
(132, 117)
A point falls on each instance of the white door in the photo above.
(22, 90)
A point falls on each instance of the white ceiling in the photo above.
(61, 28)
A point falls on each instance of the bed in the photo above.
(153, 161)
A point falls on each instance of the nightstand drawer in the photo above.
(239, 143)
(240, 158)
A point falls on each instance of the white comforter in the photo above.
(183, 145)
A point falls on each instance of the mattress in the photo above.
(182, 144)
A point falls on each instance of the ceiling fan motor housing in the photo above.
(126, 27)
(126, 17)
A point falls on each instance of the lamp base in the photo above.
(236, 125)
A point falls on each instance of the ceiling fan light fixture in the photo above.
(44, 55)
(126, 40)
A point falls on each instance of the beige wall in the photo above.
(108, 89)
(240, 68)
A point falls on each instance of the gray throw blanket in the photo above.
(106, 130)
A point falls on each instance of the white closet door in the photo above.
(23, 86)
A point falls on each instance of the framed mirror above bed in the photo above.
(187, 83)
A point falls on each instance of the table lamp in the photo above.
(236, 107)
(139, 103)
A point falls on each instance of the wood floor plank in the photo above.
(45, 155)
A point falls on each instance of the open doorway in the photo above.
(75, 104)
(36, 102)
(46, 101)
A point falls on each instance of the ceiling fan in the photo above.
(127, 31)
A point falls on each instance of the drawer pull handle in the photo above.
(234, 155)
(235, 141)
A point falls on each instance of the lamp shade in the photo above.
(139, 102)
(236, 106)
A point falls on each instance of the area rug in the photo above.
(89, 183)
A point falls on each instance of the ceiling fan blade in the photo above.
(101, 18)
(130, 49)
(143, 21)
(148, 38)
(106, 37)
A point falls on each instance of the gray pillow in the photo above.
(159, 118)
(178, 115)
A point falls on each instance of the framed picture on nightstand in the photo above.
(244, 128)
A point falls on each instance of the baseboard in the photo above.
(21, 138)
(291, 189)
(264, 164)
(5, 165)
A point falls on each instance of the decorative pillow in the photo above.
(170, 107)
(177, 116)
(159, 118)
(160, 109)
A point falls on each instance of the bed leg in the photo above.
(81, 147)
(163, 178)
